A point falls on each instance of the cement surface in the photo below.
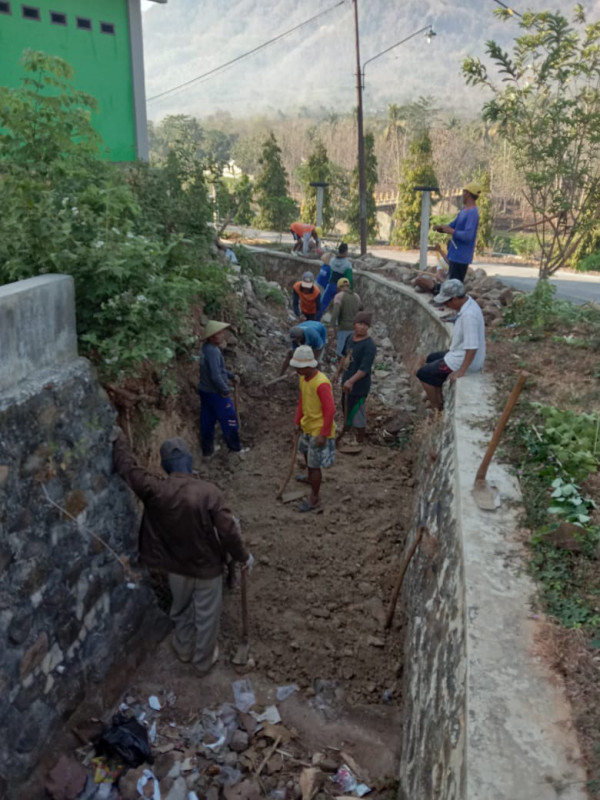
(520, 739)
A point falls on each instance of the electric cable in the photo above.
(508, 8)
(245, 55)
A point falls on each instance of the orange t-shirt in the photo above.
(300, 228)
(308, 300)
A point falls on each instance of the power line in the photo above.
(245, 55)
(508, 8)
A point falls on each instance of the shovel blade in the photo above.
(241, 655)
(486, 496)
(293, 494)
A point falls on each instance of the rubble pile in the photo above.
(491, 294)
(236, 751)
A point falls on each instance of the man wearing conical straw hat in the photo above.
(216, 404)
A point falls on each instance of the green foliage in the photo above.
(521, 244)
(486, 216)
(539, 310)
(242, 197)
(558, 450)
(318, 167)
(277, 209)
(134, 242)
(353, 213)
(590, 263)
(417, 170)
(547, 107)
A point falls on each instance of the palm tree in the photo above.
(396, 123)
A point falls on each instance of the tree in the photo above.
(417, 170)
(242, 193)
(548, 110)
(395, 124)
(318, 167)
(485, 230)
(353, 215)
(277, 209)
(176, 131)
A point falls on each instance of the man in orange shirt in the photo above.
(302, 233)
(314, 418)
(306, 297)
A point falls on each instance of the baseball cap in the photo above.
(307, 280)
(448, 290)
(343, 282)
(473, 188)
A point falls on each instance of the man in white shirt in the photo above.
(467, 348)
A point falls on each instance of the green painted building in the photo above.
(102, 40)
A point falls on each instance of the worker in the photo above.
(303, 232)
(314, 421)
(312, 333)
(341, 267)
(467, 347)
(306, 297)
(215, 397)
(346, 305)
(187, 531)
(324, 272)
(356, 363)
(463, 230)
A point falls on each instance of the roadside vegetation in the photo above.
(554, 446)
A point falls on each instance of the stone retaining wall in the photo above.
(68, 614)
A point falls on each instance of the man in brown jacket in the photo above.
(187, 531)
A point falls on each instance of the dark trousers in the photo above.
(216, 408)
(457, 270)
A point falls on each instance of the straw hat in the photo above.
(473, 188)
(214, 326)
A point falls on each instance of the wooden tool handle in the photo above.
(292, 462)
(236, 402)
(244, 595)
(407, 559)
(510, 404)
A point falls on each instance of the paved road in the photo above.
(578, 288)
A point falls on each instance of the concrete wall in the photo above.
(484, 715)
(68, 614)
(37, 326)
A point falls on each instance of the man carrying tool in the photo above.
(306, 297)
(346, 305)
(187, 532)
(314, 418)
(357, 360)
(311, 333)
(463, 231)
(467, 348)
(215, 400)
(303, 232)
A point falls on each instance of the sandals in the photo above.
(304, 506)
(301, 478)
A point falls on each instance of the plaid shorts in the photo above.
(317, 457)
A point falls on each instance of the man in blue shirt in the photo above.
(216, 404)
(312, 333)
(463, 231)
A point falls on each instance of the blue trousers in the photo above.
(326, 298)
(216, 408)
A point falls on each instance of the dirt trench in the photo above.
(321, 585)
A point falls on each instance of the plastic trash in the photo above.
(148, 776)
(243, 694)
(345, 779)
(154, 703)
(283, 692)
(192, 796)
(152, 733)
(126, 739)
(270, 714)
(277, 794)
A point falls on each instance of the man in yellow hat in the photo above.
(346, 305)
(463, 231)
(216, 404)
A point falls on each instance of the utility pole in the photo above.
(362, 178)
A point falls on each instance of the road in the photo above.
(579, 288)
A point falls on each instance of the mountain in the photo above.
(315, 66)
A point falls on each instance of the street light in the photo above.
(360, 73)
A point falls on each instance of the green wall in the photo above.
(102, 62)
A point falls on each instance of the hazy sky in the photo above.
(315, 66)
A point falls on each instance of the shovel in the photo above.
(483, 493)
(279, 494)
(236, 402)
(242, 653)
